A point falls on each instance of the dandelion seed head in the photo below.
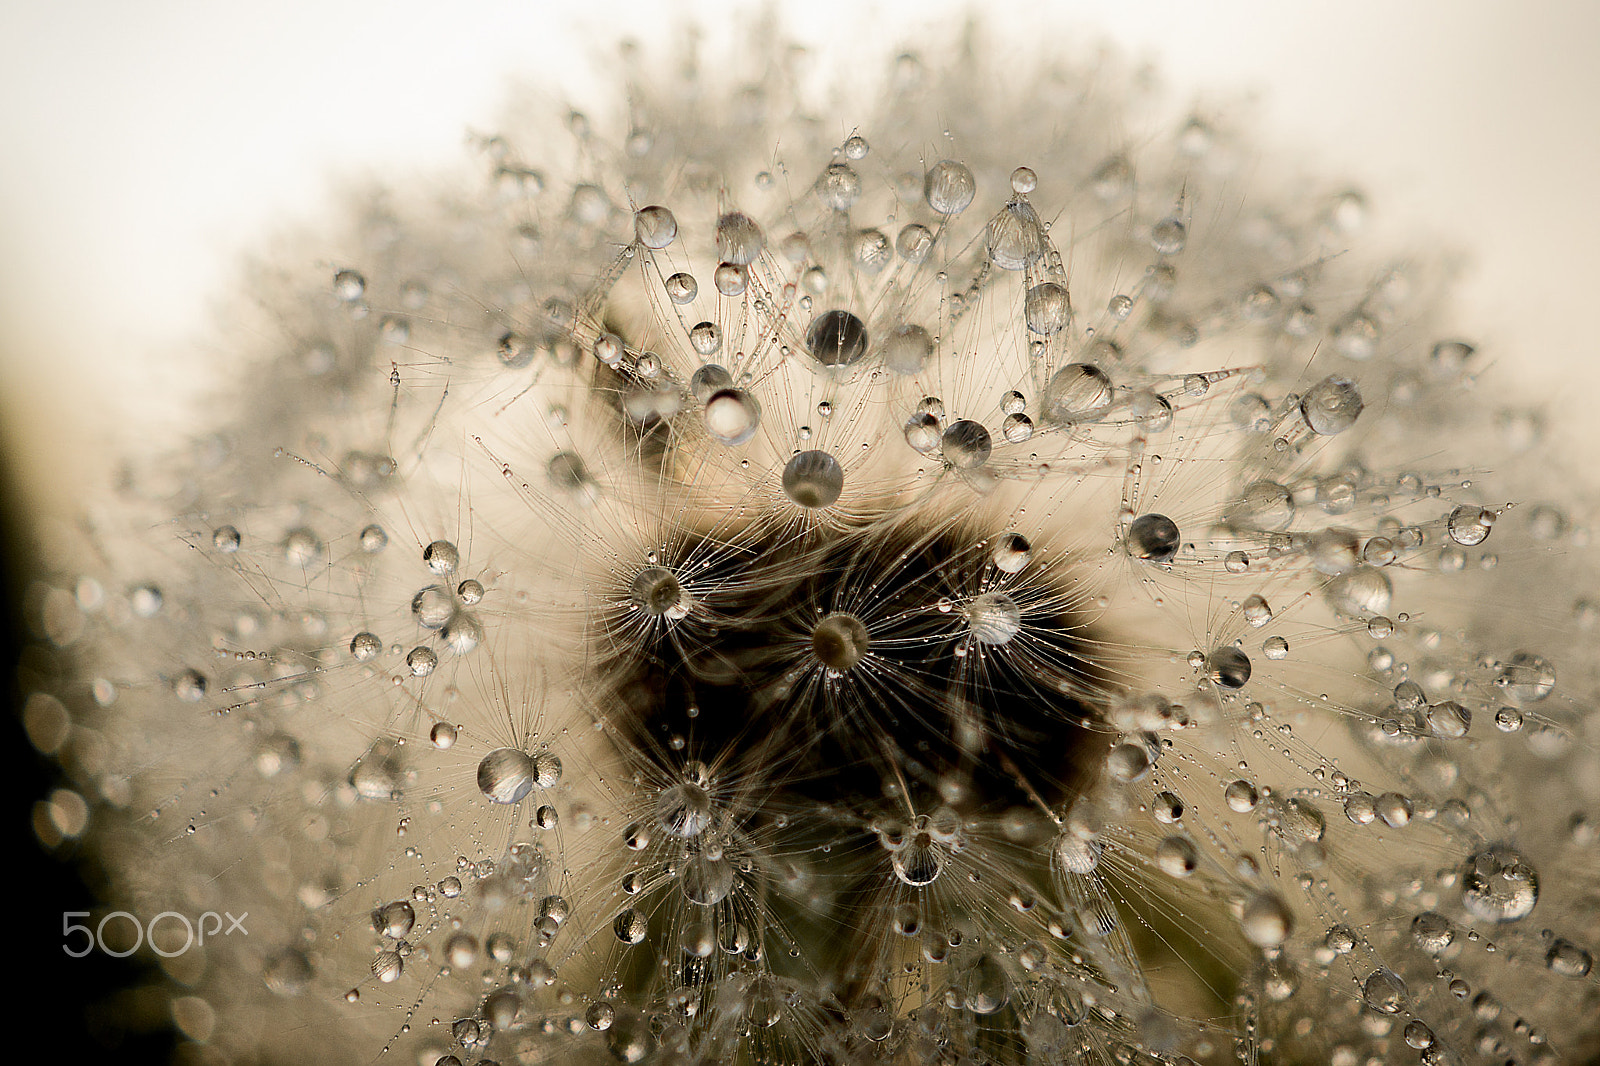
(740, 586)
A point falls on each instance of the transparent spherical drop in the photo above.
(1432, 932)
(505, 775)
(1228, 667)
(1128, 762)
(813, 479)
(1267, 920)
(394, 920)
(730, 279)
(1332, 405)
(732, 417)
(657, 590)
(387, 966)
(1333, 551)
(840, 640)
(966, 445)
(949, 187)
(1384, 991)
(443, 735)
(836, 338)
(301, 547)
(704, 880)
(514, 350)
(1078, 392)
(839, 187)
(422, 661)
(441, 557)
(684, 809)
(1168, 236)
(1498, 884)
(739, 238)
(906, 349)
(1257, 612)
(914, 243)
(364, 647)
(1153, 537)
(919, 862)
(1011, 553)
(1166, 807)
(993, 618)
(1449, 719)
(654, 226)
(1241, 796)
(922, 432)
(630, 927)
(433, 606)
(348, 286)
(1046, 308)
(1014, 238)
(1567, 959)
(1362, 593)
(225, 539)
(568, 472)
(1526, 677)
(1017, 429)
(709, 380)
(682, 288)
(705, 338)
(1177, 856)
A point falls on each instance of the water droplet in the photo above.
(739, 239)
(1526, 677)
(836, 338)
(387, 966)
(1256, 611)
(732, 417)
(630, 927)
(1014, 237)
(681, 289)
(364, 647)
(505, 775)
(813, 479)
(1153, 537)
(1432, 932)
(1241, 796)
(1046, 308)
(1332, 405)
(1469, 526)
(1168, 236)
(1078, 392)
(839, 187)
(949, 187)
(1011, 553)
(1267, 920)
(1177, 856)
(966, 445)
(840, 640)
(993, 618)
(1384, 991)
(655, 227)
(348, 286)
(906, 349)
(1498, 884)
(1568, 959)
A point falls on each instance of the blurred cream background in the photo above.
(147, 145)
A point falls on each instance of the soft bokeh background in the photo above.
(148, 144)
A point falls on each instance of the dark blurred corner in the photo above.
(95, 1008)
